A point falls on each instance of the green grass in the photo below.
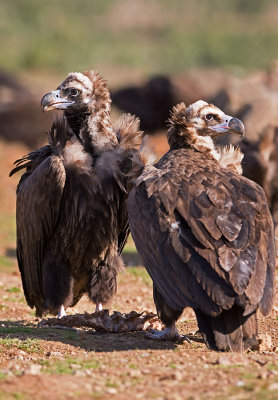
(7, 239)
(65, 367)
(130, 246)
(14, 396)
(140, 272)
(164, 36)
(111, 384)
(29, 345)
(20, 329)
(70, 335)
(13, 290)
(5, 263)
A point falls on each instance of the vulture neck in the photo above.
(76, 122)
(187, 137)
(94, 129)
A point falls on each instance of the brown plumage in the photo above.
(204, 233)
(71, 201)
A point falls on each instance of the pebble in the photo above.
(273, 386)
(112, 391)
(54, 354)
(34, 369)
(223, 361)
(79, 373)
(265, 342)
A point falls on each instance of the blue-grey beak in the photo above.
(53, 100)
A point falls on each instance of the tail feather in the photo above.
(230, 331)
(127, 129)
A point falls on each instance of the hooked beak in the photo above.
(54, 100)
(230, 125)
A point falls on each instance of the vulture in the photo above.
(71, 210)
(204, 232)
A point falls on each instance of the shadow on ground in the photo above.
(86, 340)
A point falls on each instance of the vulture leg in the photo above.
(168, 316)
(98, 307)
(56, 285)
(230, 331)
(61, 312)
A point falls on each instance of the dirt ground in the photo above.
(53, 364)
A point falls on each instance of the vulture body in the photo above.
(204, 232)
(71, 201)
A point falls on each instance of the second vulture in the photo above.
(71, 202)
(204, 232)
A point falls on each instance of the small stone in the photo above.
(112, 391)
(222, 360)
(55, 354)
(134, 373)
(240, 383)
(265, 342)
(263, 374)
(273, 386)
(34, 369)
(79, 373)
(75, 366)
(88, 372)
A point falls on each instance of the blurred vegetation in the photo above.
(153, 36)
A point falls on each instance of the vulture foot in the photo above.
(169, 333)
(61, 312)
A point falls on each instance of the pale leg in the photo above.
(61, 312)
(98, 307)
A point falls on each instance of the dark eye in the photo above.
(209, 117)
(73, 92)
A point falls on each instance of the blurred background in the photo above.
(153, 53)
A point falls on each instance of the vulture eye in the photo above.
(73, 92)
(209, 117)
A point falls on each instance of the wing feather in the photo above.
(211, 233)
(38, 204)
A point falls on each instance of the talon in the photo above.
(169, 333)
(185, 338)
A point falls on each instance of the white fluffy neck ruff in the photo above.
(204, 144)
(230, 158)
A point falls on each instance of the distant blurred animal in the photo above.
(260, 164)
(20, 113)
(71, 201)
(204, 232)
(150, 102)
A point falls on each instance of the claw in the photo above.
(169, 333)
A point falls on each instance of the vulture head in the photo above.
(86, 102)
(78, 93)
(199, 123)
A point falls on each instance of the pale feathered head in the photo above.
(199, 120)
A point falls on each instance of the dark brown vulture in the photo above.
(204, 232)
(72, 200)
